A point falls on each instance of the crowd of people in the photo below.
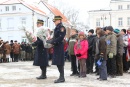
(14, 51)
(108, 50)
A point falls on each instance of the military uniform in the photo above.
(40, 58)
(58, 55)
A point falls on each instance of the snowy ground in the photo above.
(22, 74)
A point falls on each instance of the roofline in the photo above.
(98, 10)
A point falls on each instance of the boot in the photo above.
(0, 60)
(43, 74)
(61, 78)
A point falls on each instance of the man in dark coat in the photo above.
(40, 58)
(90, 60)
(58, 57)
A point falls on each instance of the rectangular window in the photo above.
(14, 8)
(10, 22)
(120, 7)
(128, 7)
(23, 21)
(7, 8)
(0, 23)
(128, 21)
(98, 22)
(120, 21)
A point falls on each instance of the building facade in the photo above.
(118, 15)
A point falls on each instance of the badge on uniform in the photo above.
(62, 29)
(108, 42)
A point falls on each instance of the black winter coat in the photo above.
(40, 58)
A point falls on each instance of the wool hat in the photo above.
(57, 18)
(117, 31)
(15, 41)
(81, 33)
(110, 28)
(124, 30)
(104, 28)
(11, 41)
(91, 31)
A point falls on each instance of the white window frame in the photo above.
(23, 21)
(120, 21)
(10, 22)
(128, 20)
(98, 22)
(13, 8)
(120, 7)
(6, 8)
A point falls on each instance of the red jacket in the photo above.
(83, 50)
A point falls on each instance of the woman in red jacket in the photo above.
(81, 52)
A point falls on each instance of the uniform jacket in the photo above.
(23, 47)
(28, 49)
(103, 47)
(120, 45)
(1, 48)
(72, 41)
(7, 48)
(111, 41)
(83, 50)
(59, 34)
(40, 58)
(16, 48)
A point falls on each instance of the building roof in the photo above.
(30, 6)
(98, 10)
(56, 12)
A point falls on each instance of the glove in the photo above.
(110, 55)
(34, 44)
(78, 55)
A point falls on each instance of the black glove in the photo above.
(49, 41)
(78, 55)
(34, 44)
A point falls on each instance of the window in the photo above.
(98, 22)
(23, 21)
(119, 7)
(24, 39)
(10, 22)
(128, 21)
(13, 8)
(7, 8)
(120, 21)
(0, 24)
(128, 7)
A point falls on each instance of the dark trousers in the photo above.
(90, 63)
(125, 62)
(12, 56)
(111, 66)
(74, 65)
(16, 57)
(119, 64)
(61, 71)
(96, 66)
(82, 67)
(103, 70)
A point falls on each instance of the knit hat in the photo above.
(117, 31)
(81, 33)
(124, 30)
(104, 28)
(110, 28)
(91, 31)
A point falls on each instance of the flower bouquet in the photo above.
(30, 36)
(44, 35)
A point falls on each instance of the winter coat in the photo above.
(58, 55)
(91, 43)
(23, 47)
(111, 41)
(16, 48)
(103, 47)
(7, 48)
(120, 45)
(40, 58)
(72, 41)
(83, 50)
(1, 48)
(28, 49)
